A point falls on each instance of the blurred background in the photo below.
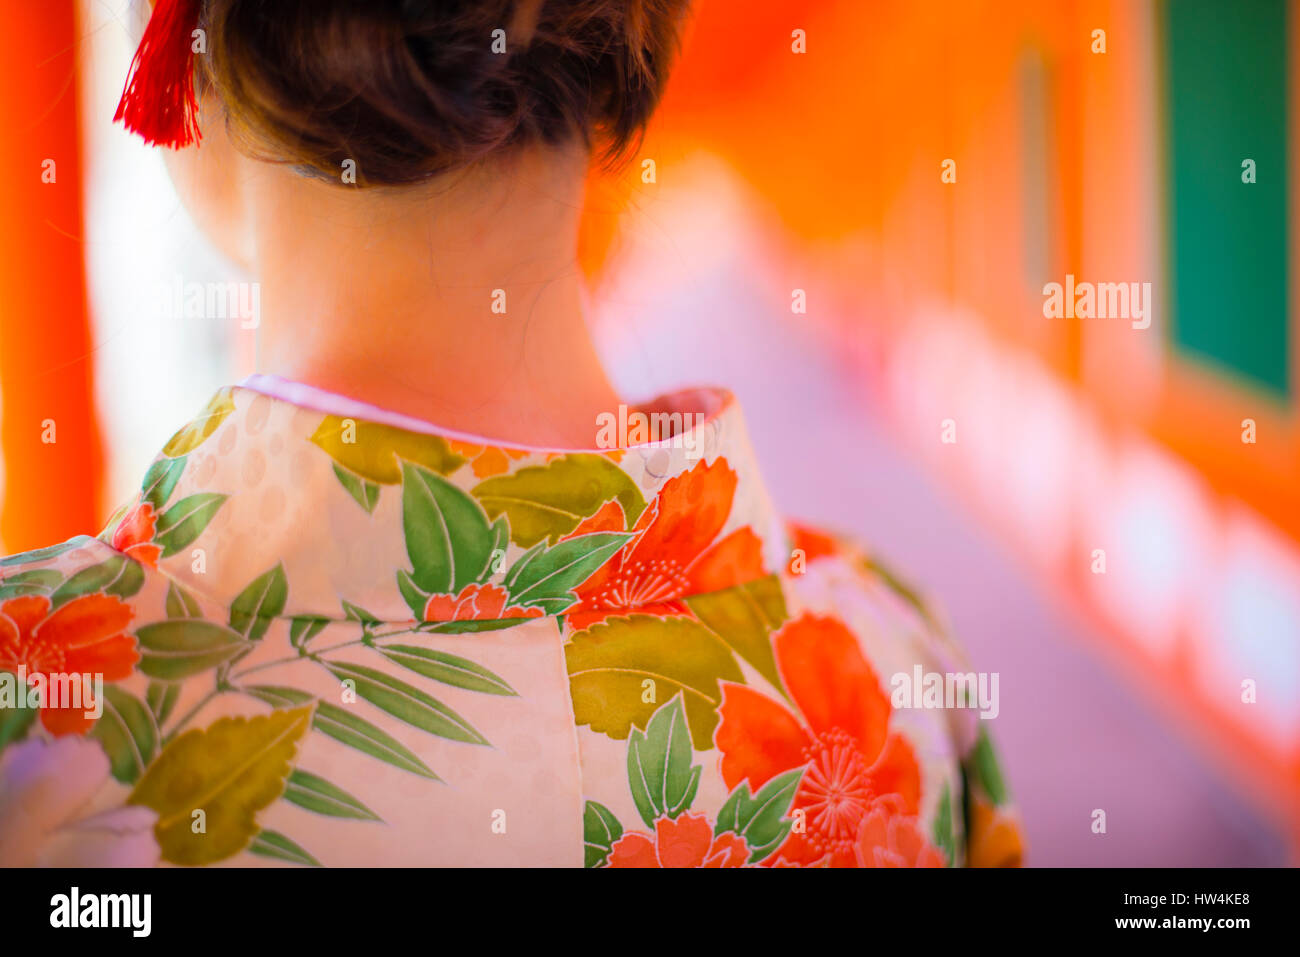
(847, 211)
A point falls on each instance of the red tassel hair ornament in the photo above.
(158, 101)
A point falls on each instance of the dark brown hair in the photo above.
(408, 89)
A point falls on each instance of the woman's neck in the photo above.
(459, 302)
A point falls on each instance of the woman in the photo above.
(427, 591)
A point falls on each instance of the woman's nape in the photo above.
(457, 301)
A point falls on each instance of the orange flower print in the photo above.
(134, 535)
(890, 837)
(87, 636)
(687, 841)
(840, 733)
(475, 603)
(486, 460)
(674, 552)
(812, 543)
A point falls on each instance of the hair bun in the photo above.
(409, 89)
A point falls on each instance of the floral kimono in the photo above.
(322, 638)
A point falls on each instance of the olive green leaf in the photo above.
(114, 521)
(128, 732)
(375, 452)
(196, 433)
(600, 831)
(180, 647)
(760, 818)
(744, 617)
(659, 769)
(254, 608)
(548, 501)
(620, 669)
(229, 771)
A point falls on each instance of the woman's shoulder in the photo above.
(60, 574)
(902, 655)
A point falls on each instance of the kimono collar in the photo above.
(288, 508)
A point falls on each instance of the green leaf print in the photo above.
(314, 793)
(364, 491)
(160, 481)
(347, 728)
(448, 538)
(985, 770)
(659, 769)
(181, 604)
(180, 647)
(254, 608)
(185, 521)
(600, 832)
(161, 696)
(760, 818)
(406, 703)
(276, 846)
(546, 578)
(119, 575)
(944, 839)
(449, 669)
(45, 554)
(14, 724)
(303, 628)
(128, 732)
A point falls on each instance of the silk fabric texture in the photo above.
(325, 638)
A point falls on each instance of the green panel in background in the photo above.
(1226, 93)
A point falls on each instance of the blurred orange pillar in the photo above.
(49, 442)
